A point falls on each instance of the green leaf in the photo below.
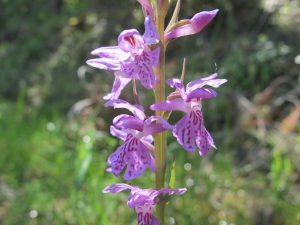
(83, 168)
(174, 18)
(173, 173)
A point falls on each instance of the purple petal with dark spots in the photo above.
(141, 66)
(204, 141)
(132, 153)
(184, 132)
(190, 129)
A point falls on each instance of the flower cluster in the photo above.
(137, 132)
(131, 59)
(139, 57)
(190, 128)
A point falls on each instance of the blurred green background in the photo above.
(54, 139)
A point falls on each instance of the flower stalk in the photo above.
(160, 139)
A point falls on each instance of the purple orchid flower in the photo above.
(132, 57)
(143, 201)
(190, 128)
(136, 133)
(196, 24)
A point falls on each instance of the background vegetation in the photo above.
(54, 139)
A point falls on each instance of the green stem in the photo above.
(160, 139)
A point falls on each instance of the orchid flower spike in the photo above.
(190, 128)
(136, 132)
(192, 26)
(143, 201)
(131, 59)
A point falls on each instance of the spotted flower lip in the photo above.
(194, 25)
(136, 131)
(132, 57)
(190, 128)
(143, 200)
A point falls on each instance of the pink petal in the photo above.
(118, 133)
(151, 35)
(113, 52)
(140, 198)
(155, 221)
(154, 55)
(164, 123)
(121, 74)
(152, 165)
(154, 128)
(118, 86)
(147, 6)
(198, 83)
(170, 105)
(118, 103)
(202, 93)
(210, 77)
(115, 188)
(178, 191)
(205, 81)
(104, 64)
(174, 82)
(128, 122)
(147, 138)
(198, 22)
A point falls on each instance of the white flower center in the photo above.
(193, 105)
